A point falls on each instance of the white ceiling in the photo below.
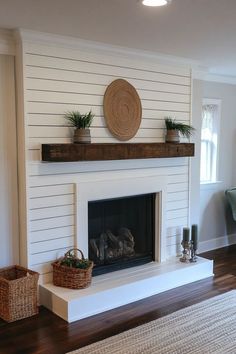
(203, 30)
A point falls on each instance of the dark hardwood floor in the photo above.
(48, 334)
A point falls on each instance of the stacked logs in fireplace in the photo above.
(108, 248)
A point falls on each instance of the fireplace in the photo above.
(107, 194)
(121, 232)
(114, 289)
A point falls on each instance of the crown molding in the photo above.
(7, 42)
(199, 72)
(204, 75)
(78, 43)
(224, 79)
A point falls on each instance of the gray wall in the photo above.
(9, 238)
(209, 206)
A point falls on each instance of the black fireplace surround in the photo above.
(121, 232)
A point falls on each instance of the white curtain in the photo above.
(209, 142)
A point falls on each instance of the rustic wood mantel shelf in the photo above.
(113, 151)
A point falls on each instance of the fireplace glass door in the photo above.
(121, 232)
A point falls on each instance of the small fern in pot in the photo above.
(82, 123)
(173, 129)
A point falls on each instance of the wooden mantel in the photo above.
(113, 151)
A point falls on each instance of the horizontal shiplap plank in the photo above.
(61, 109)
(51, 201)
(173, 250)
(176, 196)
(98, 68)
(60, 120)
(50, 132)
(177, 222)
(96, 98)
(178, 213)
(39, 181)
(41, 78)
(178, 178)
(153, 114)
(47, 85)
(77, 177)
(45, 191)
(163, 96)
(35, 143)
(64, 97)
(49, 256)
(174, 205)
(177, 187)
(67, 132)
(172, 231)
(105, 56)
(36, 89)
(51, 245)
(97, 108)
(44, 269)
(174, 240)
(51, 212)
(45, 224)
(52, 234)
(48, 169)
(99, 122)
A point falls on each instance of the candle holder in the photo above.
(193, 251)
(185, 258)
(189, 252)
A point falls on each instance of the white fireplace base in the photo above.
(119, 288)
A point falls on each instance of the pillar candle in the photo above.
(186, 234)
(194, 236)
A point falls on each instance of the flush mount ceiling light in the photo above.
(155, 2)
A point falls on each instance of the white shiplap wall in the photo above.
(57, 79)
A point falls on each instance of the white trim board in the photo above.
(215, 243)
(122, 187)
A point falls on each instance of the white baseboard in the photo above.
(215, 243)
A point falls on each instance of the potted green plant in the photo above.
(82, 123)
(173, 129)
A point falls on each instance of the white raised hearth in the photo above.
(119, 288)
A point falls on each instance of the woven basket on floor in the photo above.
(18, 293)
(69, 277)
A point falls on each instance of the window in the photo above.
(210, 140)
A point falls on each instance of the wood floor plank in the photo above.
(48, 334)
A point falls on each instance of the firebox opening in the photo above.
(121, 232)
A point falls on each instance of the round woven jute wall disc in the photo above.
(122, 109)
